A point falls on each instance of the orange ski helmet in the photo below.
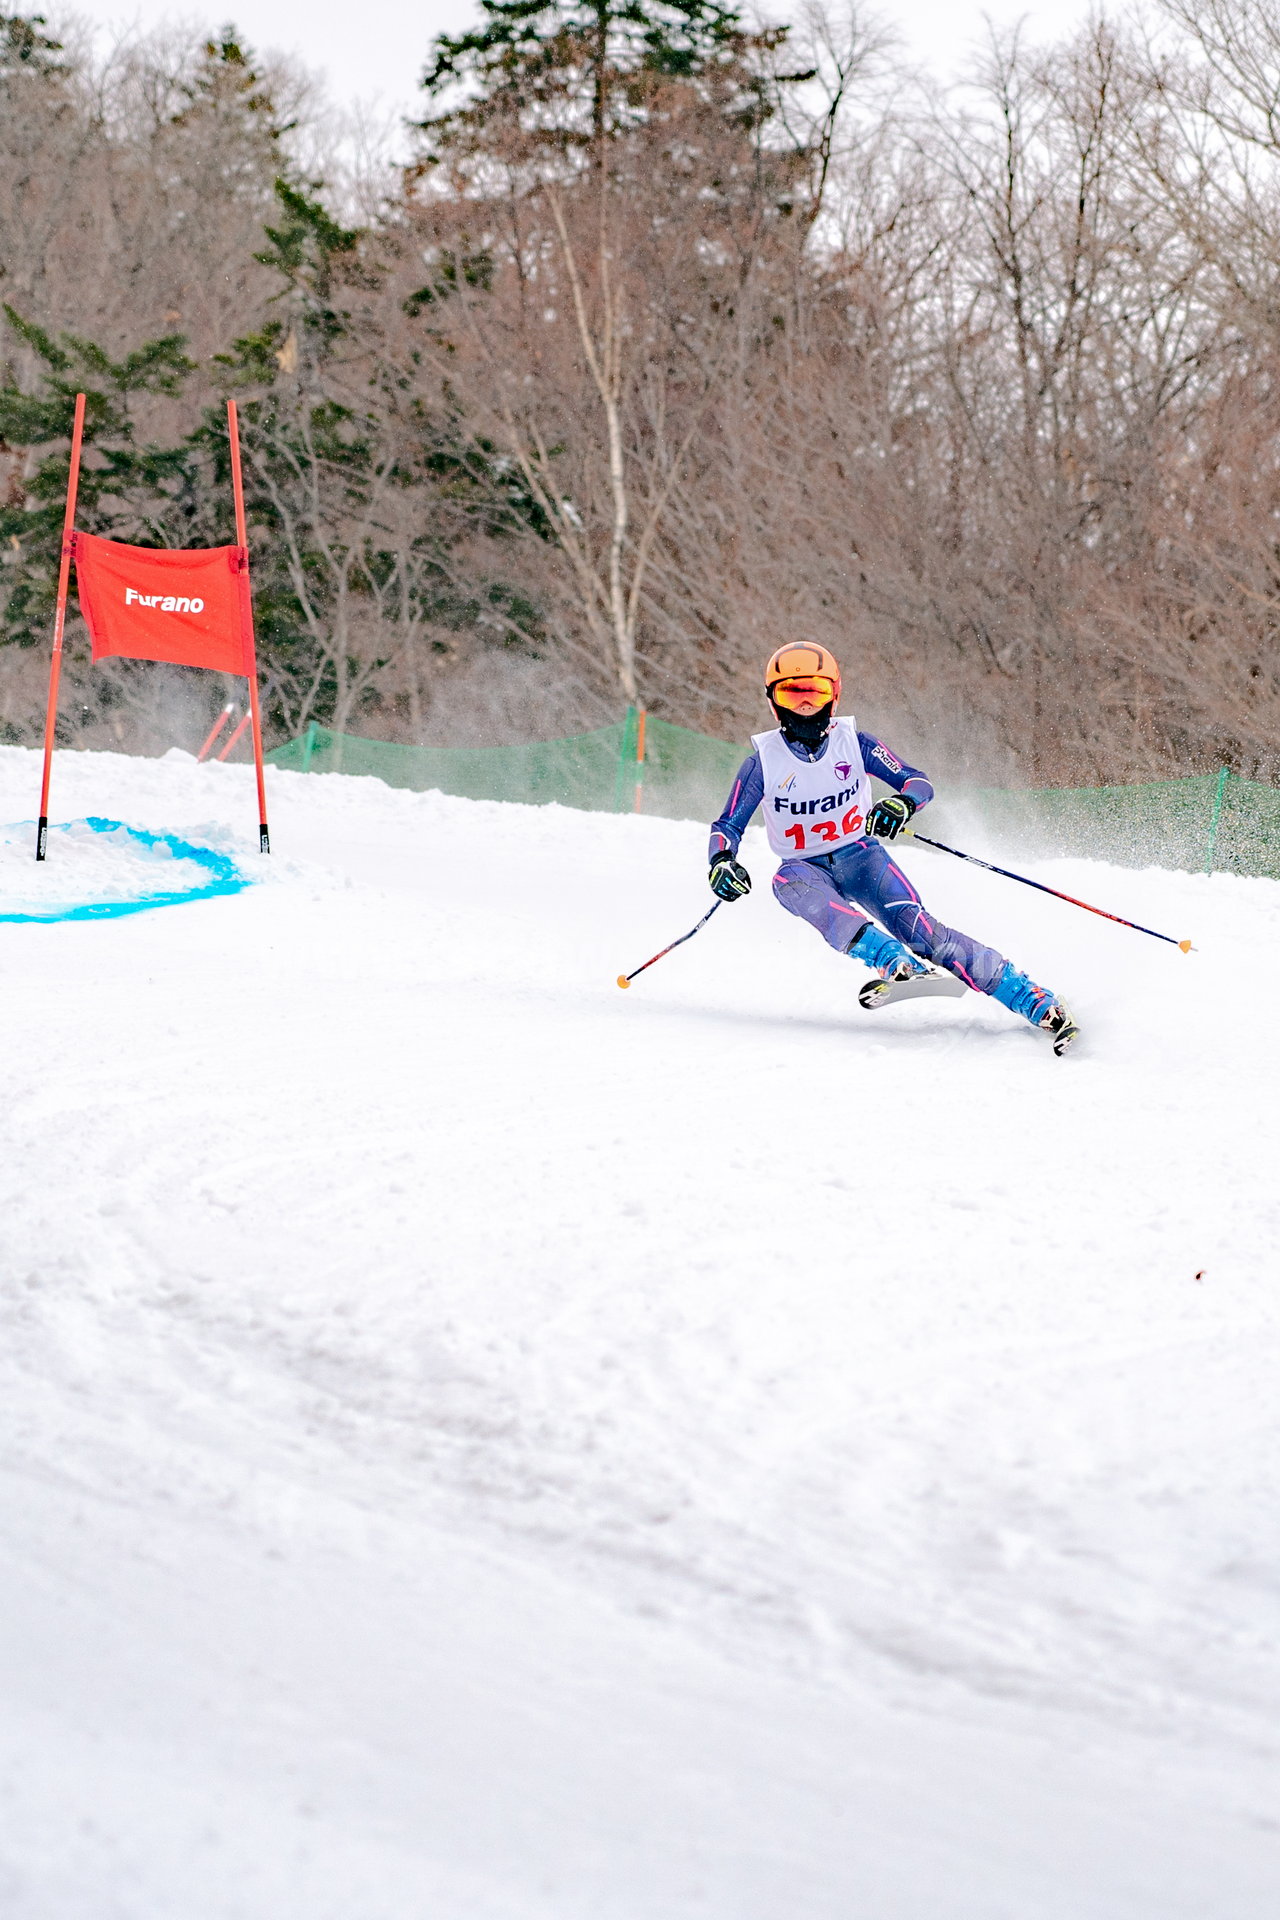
(802, 677)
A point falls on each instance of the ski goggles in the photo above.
(806, 694)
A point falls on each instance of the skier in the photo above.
(812, 775)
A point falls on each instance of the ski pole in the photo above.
(909, 832)
(625, 979)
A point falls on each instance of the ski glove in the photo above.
(888, 817)
(728, 880)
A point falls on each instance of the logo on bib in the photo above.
(824, 803)
(843, 769)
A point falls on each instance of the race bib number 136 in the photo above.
(824, 830)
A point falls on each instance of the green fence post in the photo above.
(309, 745)
(1223, 777)
(626, 761)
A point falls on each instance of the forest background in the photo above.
(670, 337)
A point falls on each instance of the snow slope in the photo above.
(481, 1445)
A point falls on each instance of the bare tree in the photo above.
(678, 340)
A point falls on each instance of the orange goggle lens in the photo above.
(812, 692)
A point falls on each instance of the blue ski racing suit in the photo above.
(838, 892)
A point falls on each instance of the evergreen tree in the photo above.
(143, 494)
(25, 49)
(306, 450)
(571, 71)
(357, 493)
(222, 127)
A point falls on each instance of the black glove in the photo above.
(888, 817)
(728, 880)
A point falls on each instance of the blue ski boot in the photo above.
(1036, 1005)
(890, 959)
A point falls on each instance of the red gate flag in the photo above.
(189, 607)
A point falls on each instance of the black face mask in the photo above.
(807, 730)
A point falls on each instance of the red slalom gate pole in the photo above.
(59, 621)
(1184, 946)
(242, 541)
(625, 979)
(235, 736)
(216, 729)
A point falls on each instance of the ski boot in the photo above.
(1036, 1005)
(885, 955)
(902, 975)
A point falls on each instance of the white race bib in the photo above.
(814, 806)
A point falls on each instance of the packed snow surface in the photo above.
(481, 1445)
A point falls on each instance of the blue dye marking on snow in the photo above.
(224, 875)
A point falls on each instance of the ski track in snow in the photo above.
(480, 1443)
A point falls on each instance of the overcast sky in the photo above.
(381, 63)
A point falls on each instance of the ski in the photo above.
(924, 986)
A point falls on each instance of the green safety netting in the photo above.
(1213, 822)
(683, 773)
(1208, 823)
